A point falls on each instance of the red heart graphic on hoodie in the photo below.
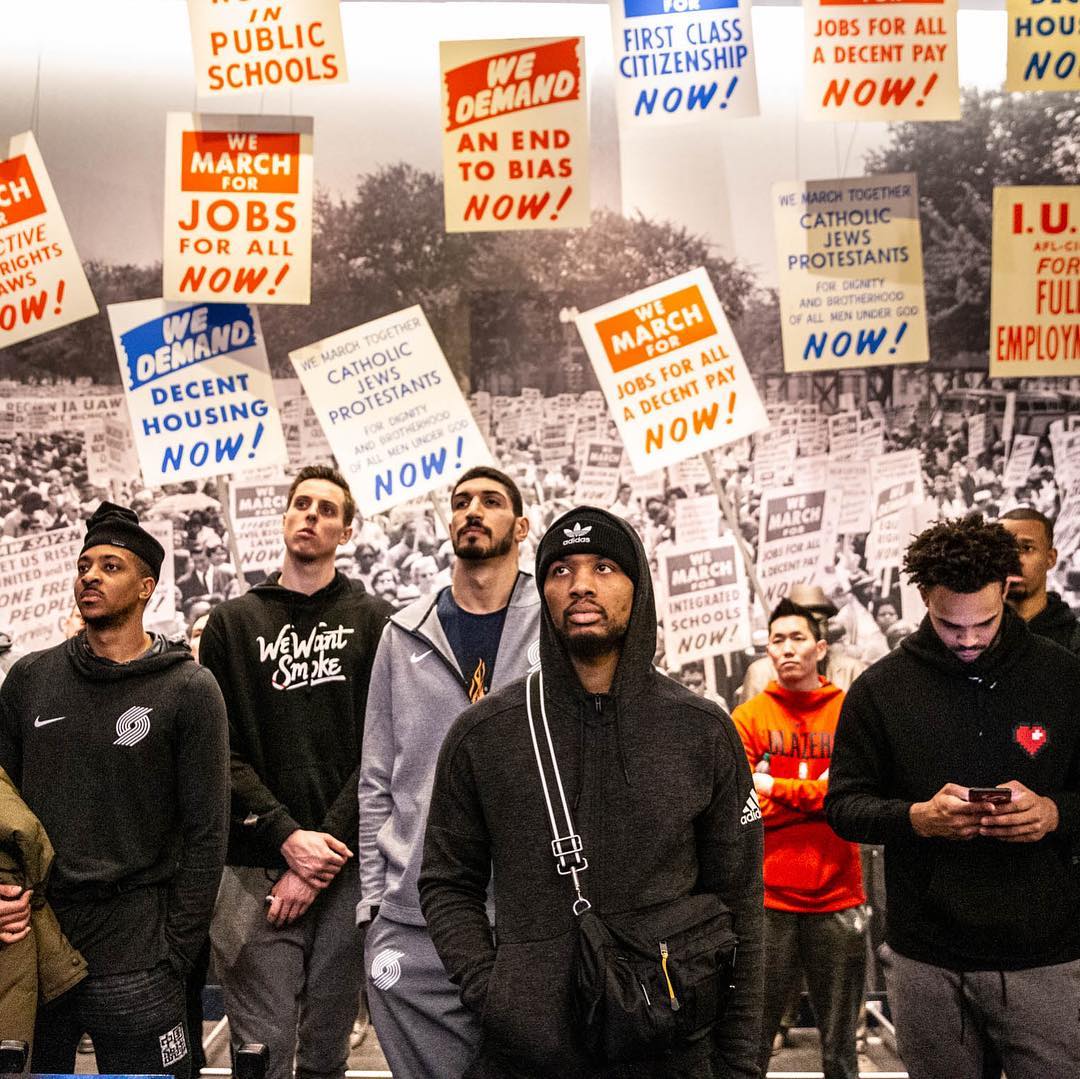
(1031, 739)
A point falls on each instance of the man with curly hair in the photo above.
(982, 952)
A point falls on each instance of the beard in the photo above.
(590, 645)
(475, 553)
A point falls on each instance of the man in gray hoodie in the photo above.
(437, 656)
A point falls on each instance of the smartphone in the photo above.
(997, 795)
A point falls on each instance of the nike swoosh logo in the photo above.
(39, 722)
(414, 658)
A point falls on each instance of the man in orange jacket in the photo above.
(814, 915)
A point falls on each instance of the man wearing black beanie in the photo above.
(117, 741)
(663, 809)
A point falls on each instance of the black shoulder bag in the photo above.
(648, 979)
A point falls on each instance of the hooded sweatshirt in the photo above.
(662, 797)
(921, 718)
(1057, 623)
(125, 766)
(294, 672)
(417, 690)
(809, 869)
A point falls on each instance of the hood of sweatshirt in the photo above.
(639, 645)
(162, 654)
(1010, 645)
(804, 701)
(1056, 615)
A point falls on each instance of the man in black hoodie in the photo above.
(982, 952)
(117, 742)
(1045, 612)
(662, 799)
(293, 658)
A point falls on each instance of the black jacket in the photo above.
(125, 766)
(659, 785)
(1057, 623)
(920, 718)
(294, 671)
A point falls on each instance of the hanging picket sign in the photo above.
(198, 389)
(866, 60)
(515, 123)
(238, 208)
(671, 370)
(263, 44)
(683, 60)
(851, 273)
(392, 411)
(42, 282)
(1035, 283)
(1042, 48)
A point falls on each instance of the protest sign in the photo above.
(480, 406)
(160, 613)
(774, 458)
(36, 585)
(49, 415)
(707, 608)
(1021, 458)
(42, 283)
(1035, 282)
(871, 438)
(796, 537)
(395, 418)
(598, 481)
(895, 487)
(198, 389)
(679, 60)
(851, 273)
(255, 511)
(1042, 47)
(697, 521)
(812, 431)
(238, 205)
(976, 433)
(851, 478)
(671, 371)
(871, 61)
(515, 125)
(260, 44)
(843, 435)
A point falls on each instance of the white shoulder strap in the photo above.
(567, 848)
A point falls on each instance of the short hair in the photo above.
(964, 554)
(1026, 513)
(787, 609)
(332, 475)
(490, 473)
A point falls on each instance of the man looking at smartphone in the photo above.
(982, 952)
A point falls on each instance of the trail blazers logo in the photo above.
(752, 810)
(576, 534)
(133, 726)
(386, 968)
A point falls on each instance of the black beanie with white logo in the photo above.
(586, 531)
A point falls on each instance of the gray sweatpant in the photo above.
(297, 989)
(424, 1030)
(948, 1024)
